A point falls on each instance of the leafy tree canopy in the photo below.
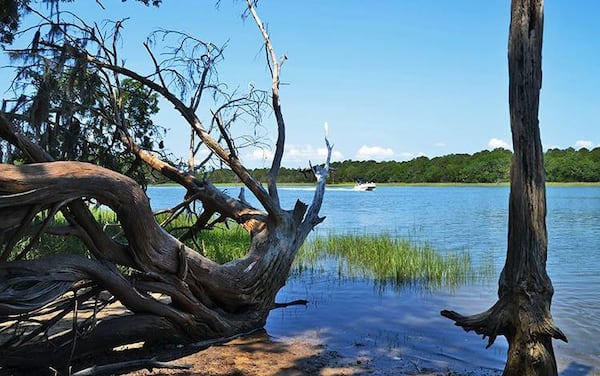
(567, 165)
(11, 12)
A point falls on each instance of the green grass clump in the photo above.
(388, 259)
(223, 244)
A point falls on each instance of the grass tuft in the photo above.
(389, 260)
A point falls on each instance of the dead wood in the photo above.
(522, 313)
(52, 306)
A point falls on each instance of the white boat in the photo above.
(364, 186)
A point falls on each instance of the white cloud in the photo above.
(406, 156)
(440, 144)
(295, 151)
(495, 143)
(335, 155)
(374, 152)
(300, 155)
(293, 156)
(584, 144)
(260, 155)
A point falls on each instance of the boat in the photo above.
(362, 185)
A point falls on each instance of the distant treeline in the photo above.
(568, 165)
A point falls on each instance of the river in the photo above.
(354, 316)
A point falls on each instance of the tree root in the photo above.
(287, 304)
(128, 366)
(503, 319)
(490, 323)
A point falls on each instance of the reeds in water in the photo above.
(389, 259)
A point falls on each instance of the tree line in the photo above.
(562, 165)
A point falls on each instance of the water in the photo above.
(355, 317)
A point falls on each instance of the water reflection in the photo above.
(577, 369)
(354, 316)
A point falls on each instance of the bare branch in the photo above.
(224, 135)
(321, 173)
(157, 69)
(275, 71)
(202, 84)
(193, 121)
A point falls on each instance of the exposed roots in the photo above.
(490, 324)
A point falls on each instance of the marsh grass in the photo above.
(220, 245)
(224, 244)
(390, 260)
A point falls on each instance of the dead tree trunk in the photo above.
(50, 306)
(522, 313)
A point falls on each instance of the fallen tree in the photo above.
(170, 291)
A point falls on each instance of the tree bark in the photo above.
(522, 313)
(208, 300)
(171, 293)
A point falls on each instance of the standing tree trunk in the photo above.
(522, 313)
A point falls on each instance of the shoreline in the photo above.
(259, 354)
(350, 184)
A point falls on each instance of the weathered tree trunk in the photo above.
(205, 300)
(522, 313)
(243, 291)
(171, 292)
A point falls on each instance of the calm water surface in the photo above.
(355, 317)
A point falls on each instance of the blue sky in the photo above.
(394, 79)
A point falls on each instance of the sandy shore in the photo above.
(258, 355)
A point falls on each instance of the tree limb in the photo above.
(254, 186)
(275, 71)
(94, 237)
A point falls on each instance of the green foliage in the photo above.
(286, 175)
(382, 257)
(49, 244)
(221, 244)
(68, 106)
(486, 166)
(140, 104)
(71, 116)
(10, 18)
(570, 165)
(482, 167)
(11, 12)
